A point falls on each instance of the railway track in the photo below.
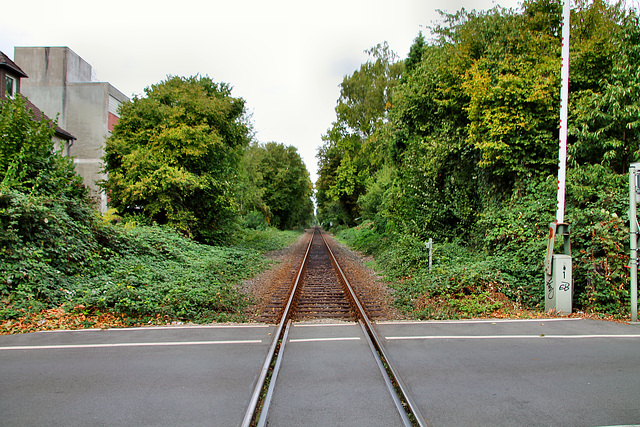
(321, 289)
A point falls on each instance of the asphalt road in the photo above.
(329, 377)
(493, 373)
(130, 377)
(512, 373)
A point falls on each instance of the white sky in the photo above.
(285, 58)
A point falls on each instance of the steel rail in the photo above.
(257, 391)
(377, 342)
(387, 379)
(264, 413)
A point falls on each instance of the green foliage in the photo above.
(174, 155)
(46, 218)
(597, 215)
(56, 251)
(376, 203)
(266, 240)
(254, 220)
(277, 186)
(350, 153)
(607, 119)
(27, 158)
(141, 273)
(501, 270)
(470, 155)
(153, 272)
(43, 239)
(462, 283)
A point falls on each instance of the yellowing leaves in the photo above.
(508, 109)
(175, 152)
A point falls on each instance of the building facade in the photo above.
(11, 77)
(60, 83)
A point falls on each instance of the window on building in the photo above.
(11, 86)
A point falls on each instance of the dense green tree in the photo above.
(468, 150)
(350, 154)
(606, 120)
(174, 155)
(330, 211)
(278, 185)
(415, 53)
(250, 190)
(478, 116)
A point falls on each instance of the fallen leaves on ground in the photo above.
(58, 318)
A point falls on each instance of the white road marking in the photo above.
(156, 328)
(503, 337)
(325, 339)
(127, 344)
(462, 322)
(306, 325)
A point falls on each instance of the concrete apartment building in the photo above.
(60, 83)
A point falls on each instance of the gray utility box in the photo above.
(558, 295)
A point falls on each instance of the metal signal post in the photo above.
(634, 196)
(558, 268)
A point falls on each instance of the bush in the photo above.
(462, 283)
(501, 268)
(266, 240)
(55, 251)
(141, 273)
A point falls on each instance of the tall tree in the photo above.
(476, 117)
(280, 186)
(174, 154)
(365, 99)
(606, 119)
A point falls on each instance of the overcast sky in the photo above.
(285, 58)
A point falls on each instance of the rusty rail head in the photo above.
(255, 397)
(360, 314)
(377, 342)
(286, 314)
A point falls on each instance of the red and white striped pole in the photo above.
(564, 110)
(558, 269)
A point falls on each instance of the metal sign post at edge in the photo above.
(634, 194)
(429, 246)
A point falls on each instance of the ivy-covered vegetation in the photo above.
(59, 257)
(461, 147)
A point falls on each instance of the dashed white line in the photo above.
(325, 339)
(156, 328)
(306, 325)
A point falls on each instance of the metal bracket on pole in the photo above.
(548, 259)
(556, 229)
